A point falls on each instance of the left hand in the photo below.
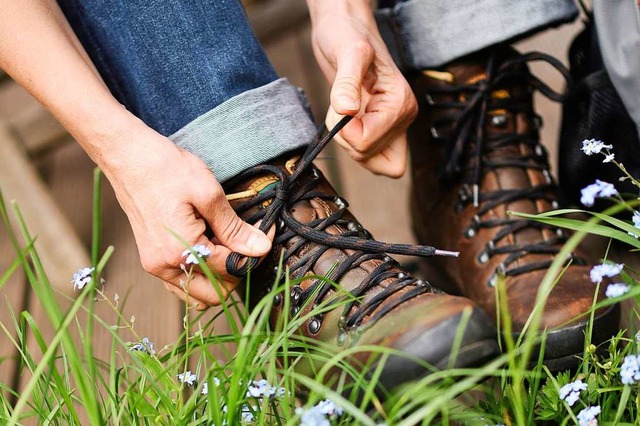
(366, 83)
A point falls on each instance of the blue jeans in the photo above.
(194, 71)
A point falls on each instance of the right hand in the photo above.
(164, 189)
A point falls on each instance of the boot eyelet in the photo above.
(555, 204)
(341, 202)
(434, 132)
(294, 310)
(429, 99)
(560, 233)
(499, 121)
(314, 326)
(296, 292)
(470, 232)
(281, 225)
(277, 300)
(402, 275)
(493, 281)
(351, 226)
(341, 339)
(421, 283)
(537, 122)
(547, 176)
(539, 150)
(484, 257)
(465, 193)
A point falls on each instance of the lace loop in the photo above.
(290, 189)
(468, 147)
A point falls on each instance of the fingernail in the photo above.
(258, 242)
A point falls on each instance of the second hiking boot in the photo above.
(376, 302)
(476, 155)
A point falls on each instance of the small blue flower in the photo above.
(329, 408)
(593, 146)
(599, 189)
(630, 370)
(609, 158)
(570, 392)
(200, 250)
(320, 414)
(598, 272)
(312, 417)
(616, 290)
(145, 346)
(82, 277)
(588, 416)
(246, 415)
(636, 222)
(263, 389)
(188, 378)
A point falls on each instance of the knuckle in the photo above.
(363, 49)
(151, 265)
(362, 147)
(397, 170)
(348, 83)
(231, 229)
(357, 156)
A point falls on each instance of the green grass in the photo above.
(67, 384)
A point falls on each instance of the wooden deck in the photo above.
(67, 173)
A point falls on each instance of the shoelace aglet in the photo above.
(475, 195)
(446, 253)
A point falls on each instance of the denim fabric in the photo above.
(249, 129)
(183, 66)
(429, 33)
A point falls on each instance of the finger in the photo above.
(217, 262)
(352, 64)
(392, 161)
(229, 229)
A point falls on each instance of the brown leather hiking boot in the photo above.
(476, 155)
(376, 301)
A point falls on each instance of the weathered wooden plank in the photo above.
(157, 312)
(12, 297)
(272, 19)
(33, 124)
(59, 247)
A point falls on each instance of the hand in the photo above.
(365, 83)
(164, 189)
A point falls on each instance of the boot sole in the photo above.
(478, 345)
(564, 346)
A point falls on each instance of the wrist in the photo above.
(117, 141)
(319, 9)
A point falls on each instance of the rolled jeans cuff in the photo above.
(249, 129)
(429, 33)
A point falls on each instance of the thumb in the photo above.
(351, 67)
(234, 233)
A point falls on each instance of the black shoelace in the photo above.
(288, 190)
(468, 117)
